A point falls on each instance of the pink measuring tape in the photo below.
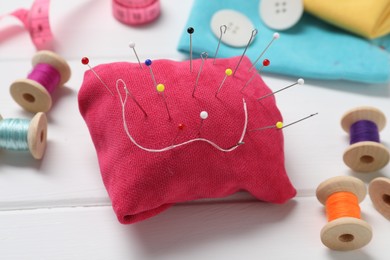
(36, 22)
(136, 12)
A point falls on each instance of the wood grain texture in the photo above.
(204, 231)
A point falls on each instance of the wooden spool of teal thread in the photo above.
(24, 135)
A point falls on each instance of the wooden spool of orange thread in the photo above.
(345, 230)
(365, 156)
(379, 190)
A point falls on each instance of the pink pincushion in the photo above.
(141, 183)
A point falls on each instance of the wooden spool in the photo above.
(31, 95)
(345, 233)
(379, 190)
(37, 135)
(365, 156)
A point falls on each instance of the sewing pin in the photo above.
(131, 95)
(203, 56)
(203, 115)
(180, 127)
(148, 63)
(265, 64)
(223, 27)
(132, 46)
(254, 32)
(275, 36)
(299, 120)
(160, 89)
(228, 72)
(299, 82)
(279, 125)
(85, 61)
(190, 31)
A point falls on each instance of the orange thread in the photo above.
(342, 204)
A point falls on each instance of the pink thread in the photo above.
(45, 75)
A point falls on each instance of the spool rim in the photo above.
(363, 113)
(54, 60)
(40, 98)
(366, 156)
(37, 135)
(341, 184)
(346, 233)
(379, 191)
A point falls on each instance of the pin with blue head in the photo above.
(148, 63)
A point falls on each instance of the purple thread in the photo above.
(364, 130)
(45, 75)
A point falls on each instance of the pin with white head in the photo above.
(148, 63)
(275, 37)
(279, 125)
(132, 46)
(266, 63)
(190, 31)
(203, 115)
(85, 61)
(203, 56)
(128, 93)
(228, 72)
(298, 82)
(160, 89)
(253, 35)
(222, 30)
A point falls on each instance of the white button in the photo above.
(280, 14)
(239, 27)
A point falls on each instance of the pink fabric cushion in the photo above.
(140, 183)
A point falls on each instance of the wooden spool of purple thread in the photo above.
(366, 153)
(49, 72)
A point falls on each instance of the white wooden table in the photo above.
(57, 208)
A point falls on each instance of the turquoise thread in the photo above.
(13, 134)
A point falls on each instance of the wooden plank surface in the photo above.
(250, 230)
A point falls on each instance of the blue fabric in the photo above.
(310, 49)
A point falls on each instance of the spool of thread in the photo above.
(136, 12)
(379, 190)
(24, 135)
(366, 153)
(345, 229)
(49, 72)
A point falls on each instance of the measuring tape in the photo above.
(136, 12)
(36, 22)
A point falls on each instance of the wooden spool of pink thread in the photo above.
(49, 72)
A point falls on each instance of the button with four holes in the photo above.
(280, 14)
(239, 27)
